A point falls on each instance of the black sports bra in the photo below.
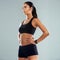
(27, 28)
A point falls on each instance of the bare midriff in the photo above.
(26, 38)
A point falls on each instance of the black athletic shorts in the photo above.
(27, 50)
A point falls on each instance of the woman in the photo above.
(28, 49)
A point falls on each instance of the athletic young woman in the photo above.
(28, 49)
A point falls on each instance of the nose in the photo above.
(23, 11)
(22, 8)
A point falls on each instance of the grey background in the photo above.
(11, 15)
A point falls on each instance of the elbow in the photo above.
(46, 33)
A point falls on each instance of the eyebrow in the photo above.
(23, 6)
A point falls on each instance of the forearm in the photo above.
(42, 37)
(18, 36)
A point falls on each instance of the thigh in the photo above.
(33, 52)
(22, 58)
(33, 57)
(22, 53)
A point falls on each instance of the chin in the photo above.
(25, 13)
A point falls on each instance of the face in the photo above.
(27, 9)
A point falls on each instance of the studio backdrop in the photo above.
(11, 15)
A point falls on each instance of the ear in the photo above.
(31, 8)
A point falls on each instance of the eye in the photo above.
(25, 6)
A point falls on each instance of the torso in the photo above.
(26, 38)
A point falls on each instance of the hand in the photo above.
(33, 42)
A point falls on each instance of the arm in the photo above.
(43, 29)
(18, 35)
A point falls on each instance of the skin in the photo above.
(26, 38)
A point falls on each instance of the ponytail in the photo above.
(34, 12)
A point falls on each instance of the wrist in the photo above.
(36, 41)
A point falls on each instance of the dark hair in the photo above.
(34, 9)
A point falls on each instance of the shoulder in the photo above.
(37, 21)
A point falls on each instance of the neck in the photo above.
(29, 16)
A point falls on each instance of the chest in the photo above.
(25, 26)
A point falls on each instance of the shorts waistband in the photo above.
(28, 45)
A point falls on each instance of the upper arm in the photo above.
(40, 25)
